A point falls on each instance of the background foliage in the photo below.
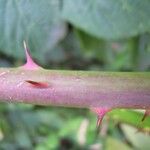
(99, 35)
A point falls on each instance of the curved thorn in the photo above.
(30, 64)
(101, 112)
(146, 114)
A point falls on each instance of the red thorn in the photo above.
(30, 64)
(99, 120)
(36, 84)
(101, 112)
(146, 114)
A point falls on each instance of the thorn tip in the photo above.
(146, 114)
(100, 114)
(24, 44)
(30, 64)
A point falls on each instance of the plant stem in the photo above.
(76, 88)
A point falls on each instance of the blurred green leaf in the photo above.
(109, 19)
(38, 22)
(144, 52)
(114, 144)
(91, 45)
(131, 117)
(70, 128)
(139, 140)
(22, 139)
(113, 55)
